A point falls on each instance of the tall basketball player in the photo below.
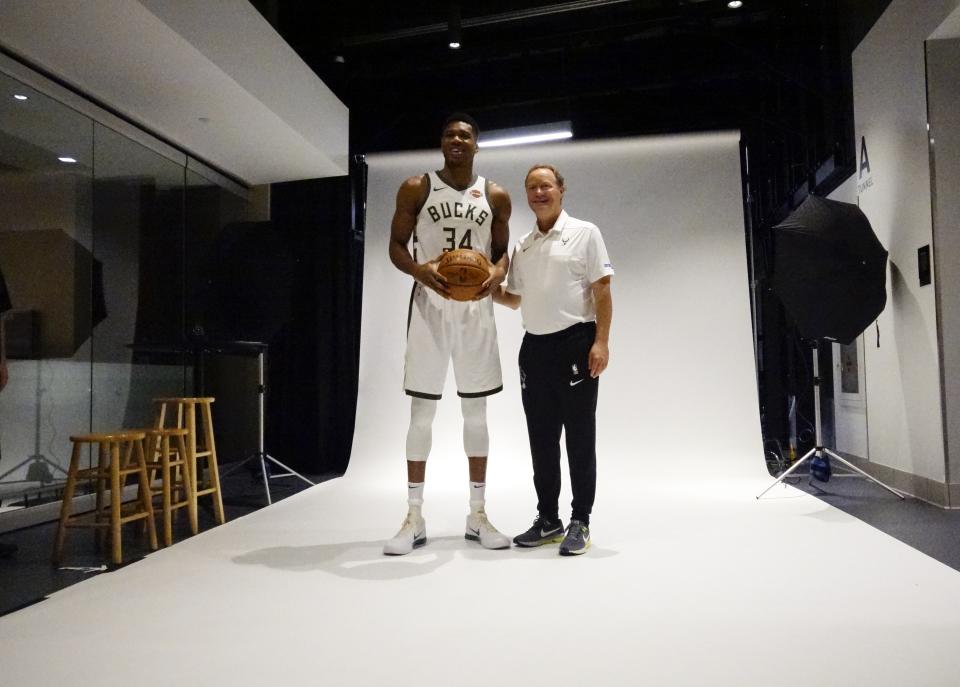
(443, 210)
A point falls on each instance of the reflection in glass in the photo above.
(100, 257)
(48, 267)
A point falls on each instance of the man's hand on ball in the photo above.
(428, 275)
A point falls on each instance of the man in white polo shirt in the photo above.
(559, 276)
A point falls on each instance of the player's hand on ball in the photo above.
(497, 275)
(428, 275)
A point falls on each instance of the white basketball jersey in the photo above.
(453, 219)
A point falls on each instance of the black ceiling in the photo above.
(779, 71)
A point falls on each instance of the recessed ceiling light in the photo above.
(68, 160)
(453, 27)
(735, 4)
(20, 96)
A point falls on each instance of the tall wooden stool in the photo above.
(120, 455)
(200, 444)
(172, 463)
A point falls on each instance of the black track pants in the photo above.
(559, 393)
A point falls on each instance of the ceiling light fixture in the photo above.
(539, 133)
(735, 4)
(68, 160)
(453, 27)
(20, 96)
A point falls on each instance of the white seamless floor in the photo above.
(686, 584)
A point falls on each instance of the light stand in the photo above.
(261, 454)
(39, 465)
(819, 449)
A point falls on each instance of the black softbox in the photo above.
(829, 269)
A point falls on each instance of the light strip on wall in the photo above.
(540, 133)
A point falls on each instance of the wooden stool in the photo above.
(120, 454)
(175, 479)
(186, 418)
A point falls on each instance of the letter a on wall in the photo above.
(864, 158)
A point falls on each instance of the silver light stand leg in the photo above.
(261, 450)
(819, 449)
(37, 459)
(261, 453)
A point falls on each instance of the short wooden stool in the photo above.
(172, 462)
(120, 455)
(200, 444)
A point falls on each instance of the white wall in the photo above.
(903, 375)
(943, 71)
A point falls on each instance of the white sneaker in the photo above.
(479, 529)
(412, 534)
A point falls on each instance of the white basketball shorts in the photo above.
(441, 330)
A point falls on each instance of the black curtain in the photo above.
(313, 363)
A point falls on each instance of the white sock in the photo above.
(415, 497)
(477, 497)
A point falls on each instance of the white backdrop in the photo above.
(679, 399)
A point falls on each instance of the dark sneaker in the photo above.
(542, 532)
(577, 540)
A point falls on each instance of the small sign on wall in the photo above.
(864, 179)
(923, 264)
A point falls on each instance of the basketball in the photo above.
(465, 271)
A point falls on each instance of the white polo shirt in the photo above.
(553, 274)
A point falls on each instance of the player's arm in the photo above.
(410, 199)
(499, 239)
(504, 297)
(600, 351)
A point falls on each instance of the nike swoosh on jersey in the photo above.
(439, 189)
(574, 383)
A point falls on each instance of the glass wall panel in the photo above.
(106, 247)
(48, 267)
(138, 244)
